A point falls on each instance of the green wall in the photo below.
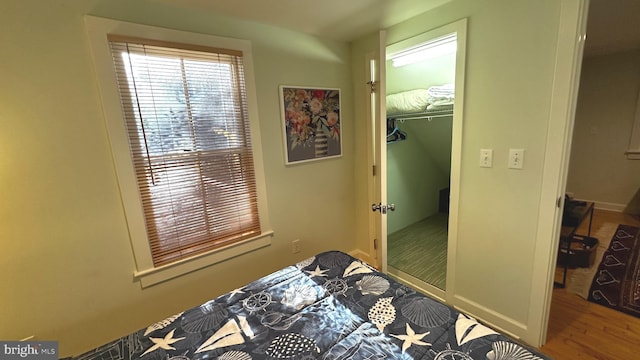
(66, 264)
(418, 168)
(510, 68)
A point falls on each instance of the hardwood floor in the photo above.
(579, 329)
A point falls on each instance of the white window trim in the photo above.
(633, 152)
(98, 29)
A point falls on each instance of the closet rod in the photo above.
(419, 117)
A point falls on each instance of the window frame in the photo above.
(633, 151)
(98, 29)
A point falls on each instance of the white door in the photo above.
(376, 143)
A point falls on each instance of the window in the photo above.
(185, 113)
(190, 179)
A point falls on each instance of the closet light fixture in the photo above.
(430, 50)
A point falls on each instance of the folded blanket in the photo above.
(408, 101)
(420, 99)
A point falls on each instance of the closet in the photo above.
(420, 102)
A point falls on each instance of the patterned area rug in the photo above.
(617, 280)
(581, 278)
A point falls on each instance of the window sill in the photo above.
(160, 274)
(633, 154)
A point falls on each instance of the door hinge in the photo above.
(372, 85)
(559, 202)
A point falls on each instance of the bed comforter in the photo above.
(330, 306)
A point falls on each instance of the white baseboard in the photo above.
(610, 206)
(361, 255)
(416, 283)
(491, 318)
(601, 205)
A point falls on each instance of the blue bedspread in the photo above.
(330, 306)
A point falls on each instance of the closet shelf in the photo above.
(422, 115)
(420, 104)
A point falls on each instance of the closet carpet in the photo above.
(420, 250)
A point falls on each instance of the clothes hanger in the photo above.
(396, 135)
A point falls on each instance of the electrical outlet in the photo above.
(516, 158)
(295, 246)
(486, 158)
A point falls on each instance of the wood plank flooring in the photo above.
(579, 329)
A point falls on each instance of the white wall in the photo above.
(66, 264)
(509, 78)
(599, 170)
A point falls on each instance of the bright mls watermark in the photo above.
(28, 350)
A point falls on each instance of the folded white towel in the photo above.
(445, 91)
(448, 88)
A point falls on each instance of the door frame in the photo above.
(378, 177)
(566, 83)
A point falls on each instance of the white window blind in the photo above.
(185, 110)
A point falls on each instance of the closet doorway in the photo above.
(424, 85)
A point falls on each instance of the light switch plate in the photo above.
(516, 159)
(486, 158)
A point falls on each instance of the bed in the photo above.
(330, 306)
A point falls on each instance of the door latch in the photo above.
(383, 208)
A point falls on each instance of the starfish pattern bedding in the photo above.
(330, 306)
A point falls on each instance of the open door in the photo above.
(566, 83)
(376, 113)
(381, 151)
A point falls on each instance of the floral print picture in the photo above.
(311, 123)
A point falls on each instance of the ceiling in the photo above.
(343, 20)
(612, 24)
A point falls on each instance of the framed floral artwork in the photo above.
(311, 123)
